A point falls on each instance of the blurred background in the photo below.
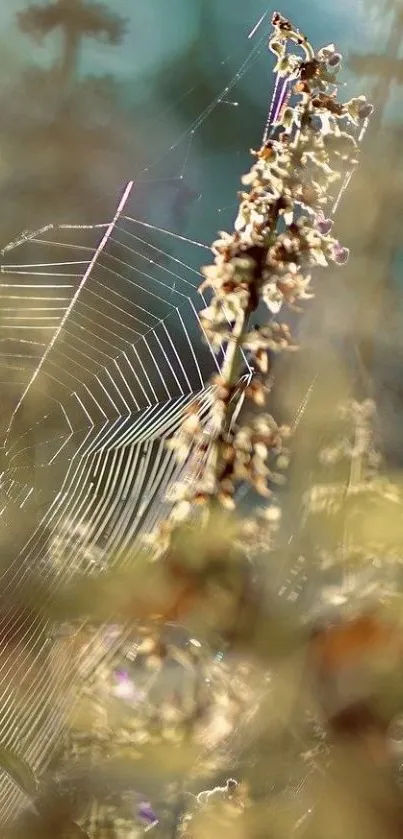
(171, 95)
(93, 95)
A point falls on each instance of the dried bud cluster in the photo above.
(281, 232)
(359, 416)
(357, 517)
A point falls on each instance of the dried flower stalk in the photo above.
(280, 234)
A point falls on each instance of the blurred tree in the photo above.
(77, 20)
(66, 140)
(66, 144)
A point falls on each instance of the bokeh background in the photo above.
(173, 95)
(130, 101)
(82, 113)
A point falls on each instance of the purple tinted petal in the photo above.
(145, 812)
(324, 225)
(340, 254)
(122, 675)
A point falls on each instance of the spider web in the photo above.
(103, 350)
(101, 347)
(123, 364)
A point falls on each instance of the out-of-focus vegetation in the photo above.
(204, 701)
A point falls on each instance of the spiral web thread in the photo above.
(110, 337)
(123, 367)
(126, 361)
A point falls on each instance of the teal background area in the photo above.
(176, 58)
